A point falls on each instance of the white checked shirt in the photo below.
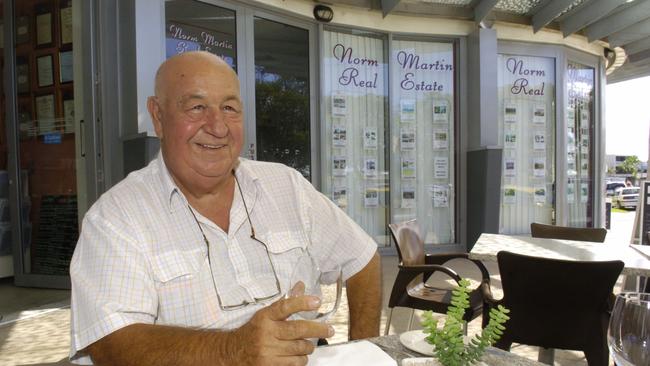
(141, 257)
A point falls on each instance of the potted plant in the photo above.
(449, 346)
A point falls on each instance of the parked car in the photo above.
(626, 197)
(612, 187)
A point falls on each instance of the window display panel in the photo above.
(423, 137)
(527, 131)
(580, 133)
(354, 169)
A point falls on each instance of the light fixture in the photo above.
(323, 13)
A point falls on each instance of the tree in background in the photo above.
(629, 166)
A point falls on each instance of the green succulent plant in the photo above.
(448, 345)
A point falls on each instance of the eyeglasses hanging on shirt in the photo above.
(256, 300)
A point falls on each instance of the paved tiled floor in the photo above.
(43, 337)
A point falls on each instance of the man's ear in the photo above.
(153, 106)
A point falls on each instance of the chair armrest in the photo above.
(489, 302)
(441, 259)
(487, 294)
(429, 269)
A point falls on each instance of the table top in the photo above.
(493, 356)
(488, 245)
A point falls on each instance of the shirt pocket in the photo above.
(285, 248)
(173, 264)
(180, 287)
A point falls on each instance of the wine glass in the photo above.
(628, 336)
(308, 278)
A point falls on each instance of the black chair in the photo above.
(567, 233)
(411, 289)
(555, 303)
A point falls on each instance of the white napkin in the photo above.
(350, 354)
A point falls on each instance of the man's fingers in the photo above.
(297, 290)
(284, 308)
(303, 329)
(298, 347)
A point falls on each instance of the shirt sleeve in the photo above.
(112, 285)
(335, 237)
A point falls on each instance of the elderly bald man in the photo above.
(185, 262)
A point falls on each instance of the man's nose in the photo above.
(216, 122)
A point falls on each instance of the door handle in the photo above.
(81, 138)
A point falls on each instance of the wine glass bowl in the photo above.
(628, 335)
(308, 278)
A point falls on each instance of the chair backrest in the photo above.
(410, 246)
(556, 303)
(567, 233)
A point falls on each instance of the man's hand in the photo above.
(270, 339)
(267, 339)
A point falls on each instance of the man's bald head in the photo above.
(175, 69)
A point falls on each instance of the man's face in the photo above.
(200, 120)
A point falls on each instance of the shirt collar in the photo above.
(170, 190)
(246, 177)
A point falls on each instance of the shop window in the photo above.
(46, 150)
(354, 96)
(423, 137)
(580, 139)
(526, 87)
(282, 94)
(192, 26)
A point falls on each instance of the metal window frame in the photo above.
(598, 170)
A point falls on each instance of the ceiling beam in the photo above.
(618, 21)
(628, 72)
(637, 46)
(642, 56)
(587, 14)
(388, 5)
(483, 8)
(630, 34)
(548, 13)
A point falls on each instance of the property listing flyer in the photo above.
(509, 195)
(440, 139)
(370, 138)
(440, 196)
(407, 110)
(339, 105)
(440, 167)
(408, 196)
(540, 194)
(371, 198)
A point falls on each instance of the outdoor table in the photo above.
(636, 264)
(493, 356)
(488, 245)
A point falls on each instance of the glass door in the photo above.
(6, 259)
(46, 139)
(282, 94)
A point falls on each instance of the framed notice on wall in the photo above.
(43, 25)
(45, 72)
(44, 107)
(65, 15)
(65, 66)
